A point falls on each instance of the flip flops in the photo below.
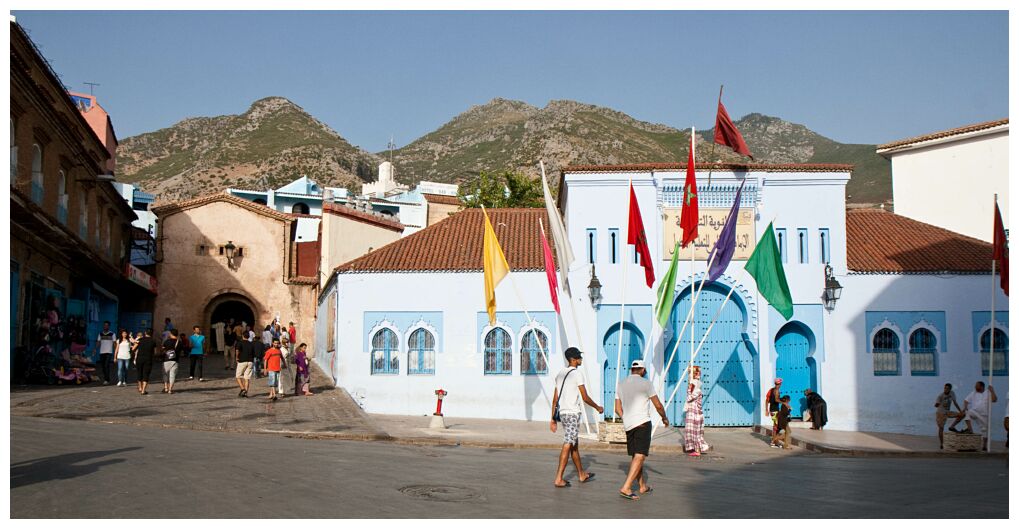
(568, 484)
(630, 496)
(590, 477)
(648, 491)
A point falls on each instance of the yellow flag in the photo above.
(496, 267)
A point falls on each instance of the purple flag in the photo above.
(725, 246)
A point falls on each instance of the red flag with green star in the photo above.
(690, 216)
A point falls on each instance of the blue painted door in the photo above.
(792, 347)
(728, 368)
(633, 349)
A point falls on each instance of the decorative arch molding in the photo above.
(1001, 326)
(385, 324)
(892, 326)
(741, 295)
(499, 324)
(230, 294)
(924, 324)
(420, 324)
(534, 325)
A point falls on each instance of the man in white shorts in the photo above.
(245, 354)
(569, 392)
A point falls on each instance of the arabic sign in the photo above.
(711, 222)
(137, 276)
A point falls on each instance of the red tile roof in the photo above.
(362, 216)
(166, 210)
(766, 167)
(454, 244)
(881, 242)
(441, 199)
(943, 134)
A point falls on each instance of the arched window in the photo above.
(385, 353)
(533, 349)
(498, 353)
(300, 208)
(1000, 352)
(83, 216)
(37, 177)
(421, 353)
(14, 153)
(922, 348)
(108, 235)
(886, 352)
(62, 196)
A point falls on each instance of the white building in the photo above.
(409, 318)
(949, 178)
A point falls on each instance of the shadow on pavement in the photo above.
(65, 466)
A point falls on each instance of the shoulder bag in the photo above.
(555, 413)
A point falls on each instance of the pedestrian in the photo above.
(219, 336)
(197, 355)
(144, 355)
(943, 410)
(570, 390)
(633, 395)
(782, 425)
(123, 347)
(976, 408)
(173, 349)
(288, 372)
(272, 359)
(260, 349)
(772, 403)
(105, 345)
(245, 353)
(693, 431)
(292, 332)
(303, 370)
(167, 327)
(818, 409)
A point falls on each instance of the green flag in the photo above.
(765, 266)
(667, 290)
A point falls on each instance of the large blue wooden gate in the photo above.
(728, 368)
(792, 346)
(633, 349)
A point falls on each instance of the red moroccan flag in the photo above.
(1000, 255)
(635, 236)
(553, 284)
(726, 132)
(690, 216)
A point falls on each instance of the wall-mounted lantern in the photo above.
(230, 249)
(832, 289)
(594, 290)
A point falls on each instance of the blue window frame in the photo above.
(780, 235)
(885, 351)
(614, 245)
(1000, 352)
(385, 353)
(592, 245)
(533, 349)
(421, 353)
(498, 353)
(825, 239)
(802, 242)
(923, 348)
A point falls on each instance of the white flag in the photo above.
(563, 250)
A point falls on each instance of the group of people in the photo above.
(779, 408)
(271, 355)
(976, 408)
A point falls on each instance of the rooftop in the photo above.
(670, 166)
(165, 210)
(441, 199)
(362, 216)
(909, 142)
(878, 241)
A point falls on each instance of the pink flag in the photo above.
(553, 285)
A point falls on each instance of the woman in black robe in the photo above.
(818, 409)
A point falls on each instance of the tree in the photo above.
(501, 189)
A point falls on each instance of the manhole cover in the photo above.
(448, 493)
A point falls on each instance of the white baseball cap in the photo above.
(637, 363)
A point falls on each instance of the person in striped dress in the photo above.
(694, 429)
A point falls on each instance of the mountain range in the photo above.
(276, 141)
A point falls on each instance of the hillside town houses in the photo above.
(385, 283)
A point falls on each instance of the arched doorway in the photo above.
(300, 208)
(794, 345)
(226, 306)
(633, 349)
(728, 366)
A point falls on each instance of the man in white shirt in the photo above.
(632, 398)
(569, 392)
(976, 408)
(104, 345)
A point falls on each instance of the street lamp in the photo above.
(832, 289)
(230, 249)
(594, 289)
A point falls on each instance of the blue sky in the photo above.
(856, 77)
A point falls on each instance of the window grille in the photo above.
(1000, 352)
(421, 353)
(498, 353)
(886, 352)
(923, 347)
(385, 354)
(533, 349)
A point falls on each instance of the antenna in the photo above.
(391, 146)
(91, 87)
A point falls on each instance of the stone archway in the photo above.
(231, 303)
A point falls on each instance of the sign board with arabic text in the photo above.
(711, 222)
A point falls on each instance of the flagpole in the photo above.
(530, 322)
(990, 371)
(622, 300)
(693, 253)
(712, 153)
(695, 294)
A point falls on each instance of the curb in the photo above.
(855, 452)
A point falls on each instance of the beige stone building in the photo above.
(348, 233)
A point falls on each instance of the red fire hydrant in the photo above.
(440, 393)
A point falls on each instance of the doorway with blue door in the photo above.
(727, 359)
(794, 363)
(633, 349)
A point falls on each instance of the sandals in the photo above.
(568, 484)
(590, 477)
(629, 496)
